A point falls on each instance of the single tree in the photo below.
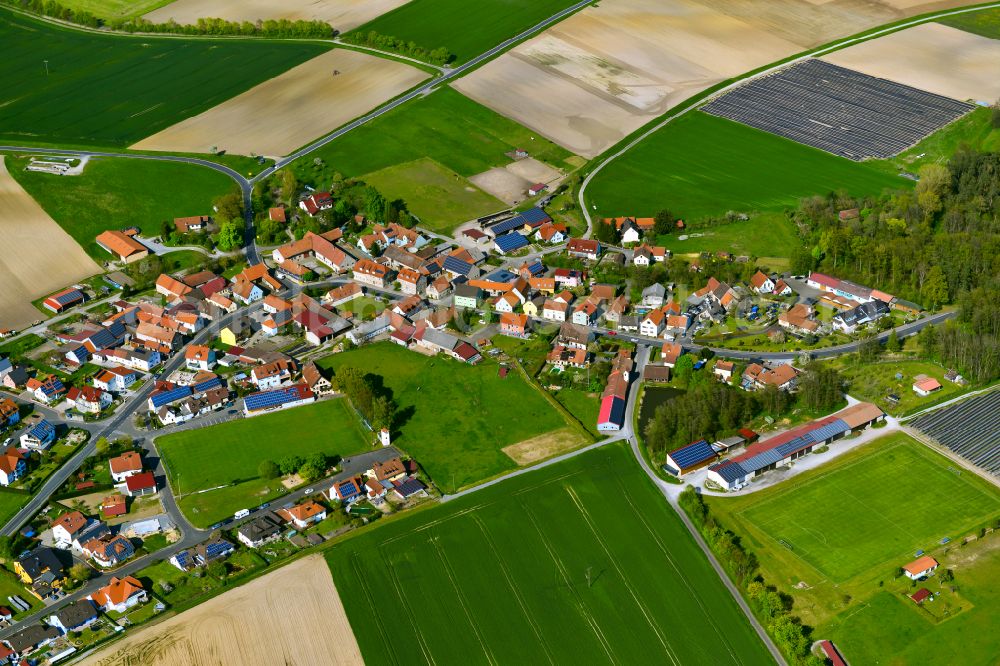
(268, 469)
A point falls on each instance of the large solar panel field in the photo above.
(970, 429)
(578, 563)
(838, 110)
(877, 509)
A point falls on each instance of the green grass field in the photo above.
(446, 126)
(973, 130)
(115, 193)
(466, 29)
(874, 381)
(764, 235)
(877, 510)
(231, 452)
(579, 563)
(112, 9)
(583, 405)
(700, 165)
(438, 196)
(985, 22)
(456, 418)
(11, 503)
(114, 90)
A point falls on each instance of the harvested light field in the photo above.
(610, 69)
(581, 562)
(290, 616)
(38, 257)
(511, 182)
(932, 57)
(341, 14)
(286, 112)
(544, 446)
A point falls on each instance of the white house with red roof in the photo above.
(125, 465)
(316, 202)
(89, 399)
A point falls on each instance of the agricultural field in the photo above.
(985, 22)
(872, 382)
(39, 257)
(583, 405)
(582, 579)
(465, 29)
(167, 80)
(455, 419)
(229, 454)
(298, 605)
(343, 15)
(286, 112)
(726, 166)
(114, 9)
(114, 193)
(932, 57)
(765, 235)
(438, 196)
(973, 130)
(614, 67)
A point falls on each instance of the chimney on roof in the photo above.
(384, 437)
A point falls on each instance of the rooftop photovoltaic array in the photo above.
(971, 429)
(838, 110)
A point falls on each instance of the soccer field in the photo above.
(700, 165)
(877, 509)
(229, 454)
(579, 563)
(114, 90)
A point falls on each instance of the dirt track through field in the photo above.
(286, 112)
(343, 15)
(292, 616)
(594, 78)
(37, 257)
(932, 57)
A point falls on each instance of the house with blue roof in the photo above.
(39, 436)
(690, 458)
(510, 242)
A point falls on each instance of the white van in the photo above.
(242, 513)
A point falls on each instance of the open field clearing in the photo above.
(290, 616)
(764, 235)
(465, 28)
(114, 193)
(114, 9)
(763, 172)
(544, 446)
(167, 80)
(871, 511)
(985, 22)
(38, 257)
(455, 419)
(973, 130)
(578, 563)
(230, 453)
(438, 196)
(932, 57)
(865, 514)
(343, 15)
(286, 112)
(873, 382)
(613, 67)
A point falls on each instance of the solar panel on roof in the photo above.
(207, 385)
(535, 215)
(167, 397)
(692, 454)
(511, 241)
(506, 225)
(824, 433)
(729, 471)
(456, 265)
(273, 398)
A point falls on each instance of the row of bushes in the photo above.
(772, 607)
(375, 40)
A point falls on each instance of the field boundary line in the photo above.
(443, 558)
(581, 607)
(354, 559)
(628, 586)
(511, 583)
(673, 565)
(402, 600)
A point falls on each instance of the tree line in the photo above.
(375, 40)
(773, 608)
(368, 395)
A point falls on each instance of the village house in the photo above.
(303, 515)
(109, 550)
(39, 436)
(202, 554)
(67, 527)
(851, 320)
(371, 273)
(761, 284)
(273, 374)
(756, 377)
(116, 379)
(551, 232)
(439, 289)
(12, 466)
(924, 565)
(653, 296)
(798, 319)
(75, 616)
(47, 391)
(31, 638)
(119, 594)
(652, 324)
(587, 313)
(125, 465)
(186, 225)
(669, 353)
(261, 530)
(645, 255)
(555, 310)
(561, 356)
(199, 357)
(723, 370)
(924, 385)
(584, 248)
(574, 336)
(515, 325)
(316, 202)
(140, 484)
(10, 413)
(89, 399)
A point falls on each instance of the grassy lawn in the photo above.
(116, 193)
(583, 405)
(111, 9)
(166, 79)
(985, 22)
(700, 165)
(764, 235)
(185, 586)
(451, 129)
(874, 381)
(230, 453)
(973, 130)
(545, 557)
(466, 29)
(455, 418)
(877, 511)
(11, 503)
(11, 585)
(438, 196)
(366, 307)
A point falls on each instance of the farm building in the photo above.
(831, 653)
(510, 242)
(924, 386)
(283, 398)
(690, 457)
(66, 298)
(734, 473)
(122, 245)
(924, 565)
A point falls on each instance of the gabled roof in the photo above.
(142, 481)
(117, 591)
